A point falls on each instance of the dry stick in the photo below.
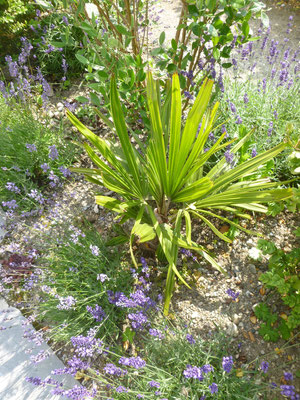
(111, 25)
(146, 27)
(119, 14)
(131, 27)
(137, 23)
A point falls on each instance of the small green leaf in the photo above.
(121, 29)
(216, 53)
(82, 59)
(265, 19)
(174, 44)
(82, 99)
(162, 38)
(128, 334)
(95, 99)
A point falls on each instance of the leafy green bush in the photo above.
(283, 276)
(56, 39)
(162, 183)
(14, 20)
(33, 157)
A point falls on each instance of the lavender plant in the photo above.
(262, 91)
(56, 39)
(33, 158)
(171, 362)
(78, 273)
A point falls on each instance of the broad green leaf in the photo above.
(82, 59)
(193, 191)
(162, 38)
(121, 130)
(175, 129)
(188, 227)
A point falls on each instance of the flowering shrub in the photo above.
(77, 285)
(261, 91)
(32, 157)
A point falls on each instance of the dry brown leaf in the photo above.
(279, 351)
(284, 316)
(262, 291)
(79, 375)
(224, 228)
(245, 334)
(251, 336)
(197, 275)
(253, 319)
(126, 345)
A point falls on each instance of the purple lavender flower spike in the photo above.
(227, 364)
(264, 366)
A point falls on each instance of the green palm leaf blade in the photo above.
(114, 204)
(175, 128)
(212, 227)
(133, 230)
(145, 232)
(193, 191)
(219, 167)
(166, 111)
(100, 144)
(191, 126)
(199, 249)
(188, 226)
(253, 207)
(228, 221)
(247, 167)
(164, 234)
(121, 129)
(232, 198)
(237, 212)
(120, 183)
(202, 158)
(192, 163)
(156, 152)
(174, 234)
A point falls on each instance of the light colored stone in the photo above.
(252, 268)
(2, 223)
(232, 330)
(236, 318)
(16, 366)
(60, 106)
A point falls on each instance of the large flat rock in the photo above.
(15, 363)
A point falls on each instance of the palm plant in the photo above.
(161, 183)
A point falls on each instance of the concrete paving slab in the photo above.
(2, 222)
(15, 362)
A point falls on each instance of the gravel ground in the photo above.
(207, 305)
